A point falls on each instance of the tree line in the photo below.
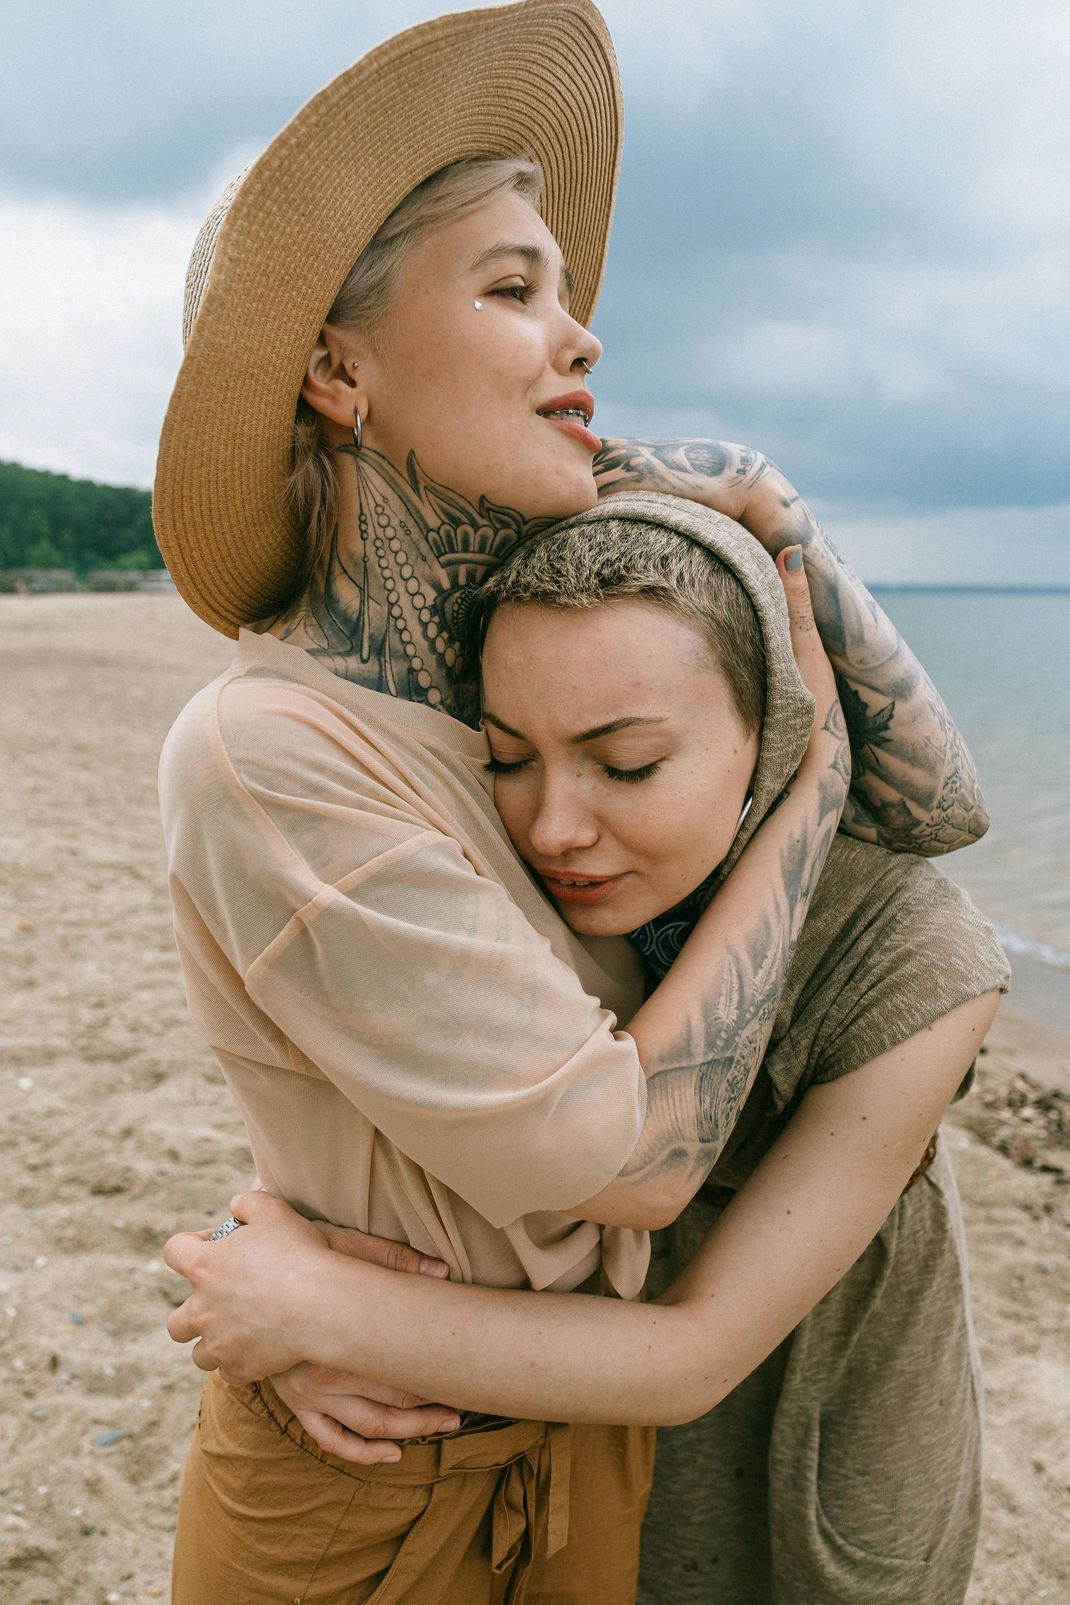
(51, 521)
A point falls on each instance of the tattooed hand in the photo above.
(712, 472)
(914, 787)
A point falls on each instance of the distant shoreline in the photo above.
(931, 588)
(1039, 991)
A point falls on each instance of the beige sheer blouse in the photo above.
(419, 1046)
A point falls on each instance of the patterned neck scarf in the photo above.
(660, 940)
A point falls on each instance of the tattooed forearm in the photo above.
(914, 786)
(929, 804)
(674, 466)
(699, 1082)
(696, 1096)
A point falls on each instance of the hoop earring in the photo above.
(358, 430)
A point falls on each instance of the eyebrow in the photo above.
(593, 734)
(533, 255)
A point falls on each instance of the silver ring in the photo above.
(231, 1224)
(584, 364)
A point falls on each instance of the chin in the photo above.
(598, 921)
(584, 498)
(560, 496)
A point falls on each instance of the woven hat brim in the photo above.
(536, 77)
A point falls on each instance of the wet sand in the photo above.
(118, 1130)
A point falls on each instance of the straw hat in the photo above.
(536, 77)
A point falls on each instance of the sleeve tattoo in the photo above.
(914, 787)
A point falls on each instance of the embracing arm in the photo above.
(329, 925)
(274, 1293)
(703, 1032)
(914, 787)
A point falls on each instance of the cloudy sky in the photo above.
(842, 235)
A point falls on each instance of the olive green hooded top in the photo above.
(846, 1468)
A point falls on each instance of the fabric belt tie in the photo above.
(537, 1479)
(533, 1461)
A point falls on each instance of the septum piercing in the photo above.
(584, 364)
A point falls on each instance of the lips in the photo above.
(571, 415)
(578, 888)
(579, 402)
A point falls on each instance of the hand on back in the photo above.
(244, 1312)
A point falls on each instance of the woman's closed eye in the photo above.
(502, 766)
(645, 771)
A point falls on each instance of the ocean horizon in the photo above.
(1000, 656)
(955, 587)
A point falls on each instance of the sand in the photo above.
(118, 1130)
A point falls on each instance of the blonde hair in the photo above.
(362, 303)
(586, 564)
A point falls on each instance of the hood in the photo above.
(789, 706)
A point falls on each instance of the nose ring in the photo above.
(584, 364)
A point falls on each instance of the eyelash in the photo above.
(521, 293)
(630, 777)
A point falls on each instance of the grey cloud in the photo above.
(841, 231)
(781, 112)
(123, 101)
(856, 255)
(935, 385)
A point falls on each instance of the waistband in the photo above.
(532, 1457)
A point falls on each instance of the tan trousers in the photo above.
(525, 1513)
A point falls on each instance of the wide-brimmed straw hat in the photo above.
(536, 78)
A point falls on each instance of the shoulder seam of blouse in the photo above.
(315, 886)
(326, 894)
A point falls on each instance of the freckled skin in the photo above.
(551, 675)
(462, 386)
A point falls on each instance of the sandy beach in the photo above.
(118, 1130)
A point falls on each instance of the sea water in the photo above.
(1001, 659)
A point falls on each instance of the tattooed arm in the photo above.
(274, 1293)
(703, 1032)
(914, 788)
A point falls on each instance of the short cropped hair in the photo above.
(584, 565)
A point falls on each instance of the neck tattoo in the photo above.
(386, 603)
